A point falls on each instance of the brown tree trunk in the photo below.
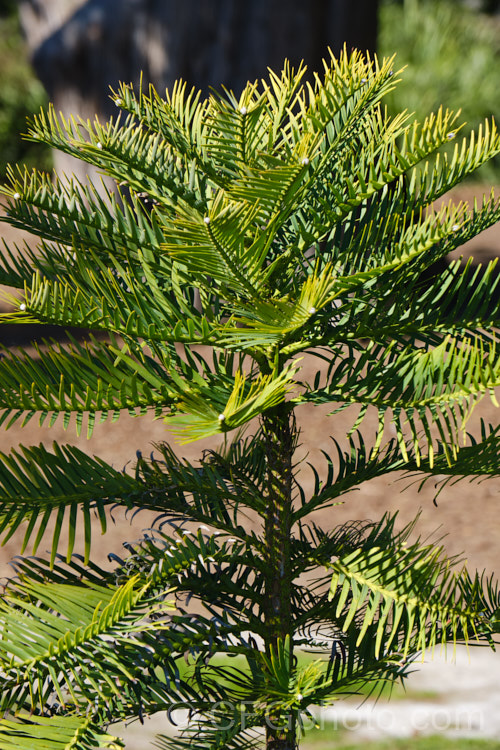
(280, 434)
(79, 48)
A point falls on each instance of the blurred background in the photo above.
(70, 52)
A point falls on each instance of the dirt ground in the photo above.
(469, 514)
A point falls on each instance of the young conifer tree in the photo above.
(245, 233)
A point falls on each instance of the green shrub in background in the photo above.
(452, 54)
(21, 94)
(252, 231)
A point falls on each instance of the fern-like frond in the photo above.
(70, 732)
(477, 461)
(380, 160)
(210, 492)
(461, 299)
(216, 569)
(55, 636)
(61, 212)
(179, 117)
(123, 150)
(345, 470)
(423, 387)
(276, 321)
(78, 379)
(207, 735)
(93, 645)
(218, 410)
(342, 103)
(334, 222)
(430, 183)
(214, 245)
(65, 485)
(406, 599)
(101, 297)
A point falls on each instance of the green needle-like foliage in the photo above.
(237, 238)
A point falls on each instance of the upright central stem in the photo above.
(280, 438)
